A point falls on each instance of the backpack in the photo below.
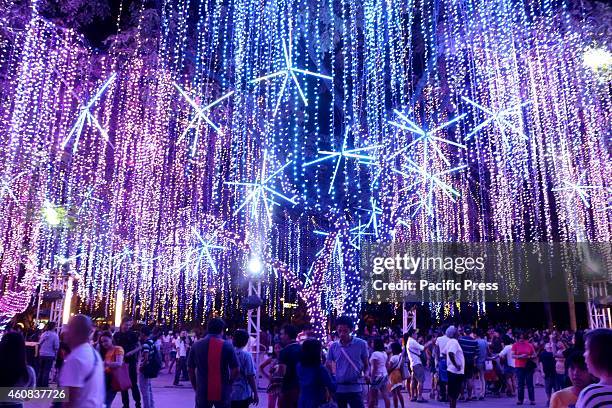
(154, 362)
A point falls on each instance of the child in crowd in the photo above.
(395, 375)
(244, 389)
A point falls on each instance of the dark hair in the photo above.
(507, 340)
(290, 331)
(311, 353)
(576, 361)
(51, 325)
(107, 333)
(13, 359)
(272, 354)
(127, 319)
(396, 348)
(411, 332)
(600, 353)
(344, 321)
(145, 331)
(216, 326)
(379, 344)
(579, 340)
(241, 338)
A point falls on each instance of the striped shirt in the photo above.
(469, 347)
(595, 396)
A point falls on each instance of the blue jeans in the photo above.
(354, 399)
(525, 376)
(44, 368)
(147, 392)
(442, 379)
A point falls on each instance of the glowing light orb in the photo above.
(51, 215)
(255, 267)
(597, 58)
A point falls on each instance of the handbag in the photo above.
(120, 378)
(421, 356)
(530, 365)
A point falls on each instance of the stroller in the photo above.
(493, 377)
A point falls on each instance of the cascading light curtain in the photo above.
(248, 129)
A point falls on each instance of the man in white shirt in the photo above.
(418, 371)
(509, 366)
(181, 358)
(83, 370)
(455, 366)
(440, 344)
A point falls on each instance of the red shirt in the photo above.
(521, 347)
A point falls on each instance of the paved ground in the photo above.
(168, 396)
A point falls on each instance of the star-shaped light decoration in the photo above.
(63, 261)
(337, 243)
(358, 232)
(87, 198)
(499, 118)
(336, 253)
(86, 116)
(431, 182)
(359, 154)
(426, 137)
(204, 248)
(289, 72)
(125, 253)
(374, 211)
(579, 189)
(6, 186)
(201, 114)
(261, 191)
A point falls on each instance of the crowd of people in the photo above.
(347, 368)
